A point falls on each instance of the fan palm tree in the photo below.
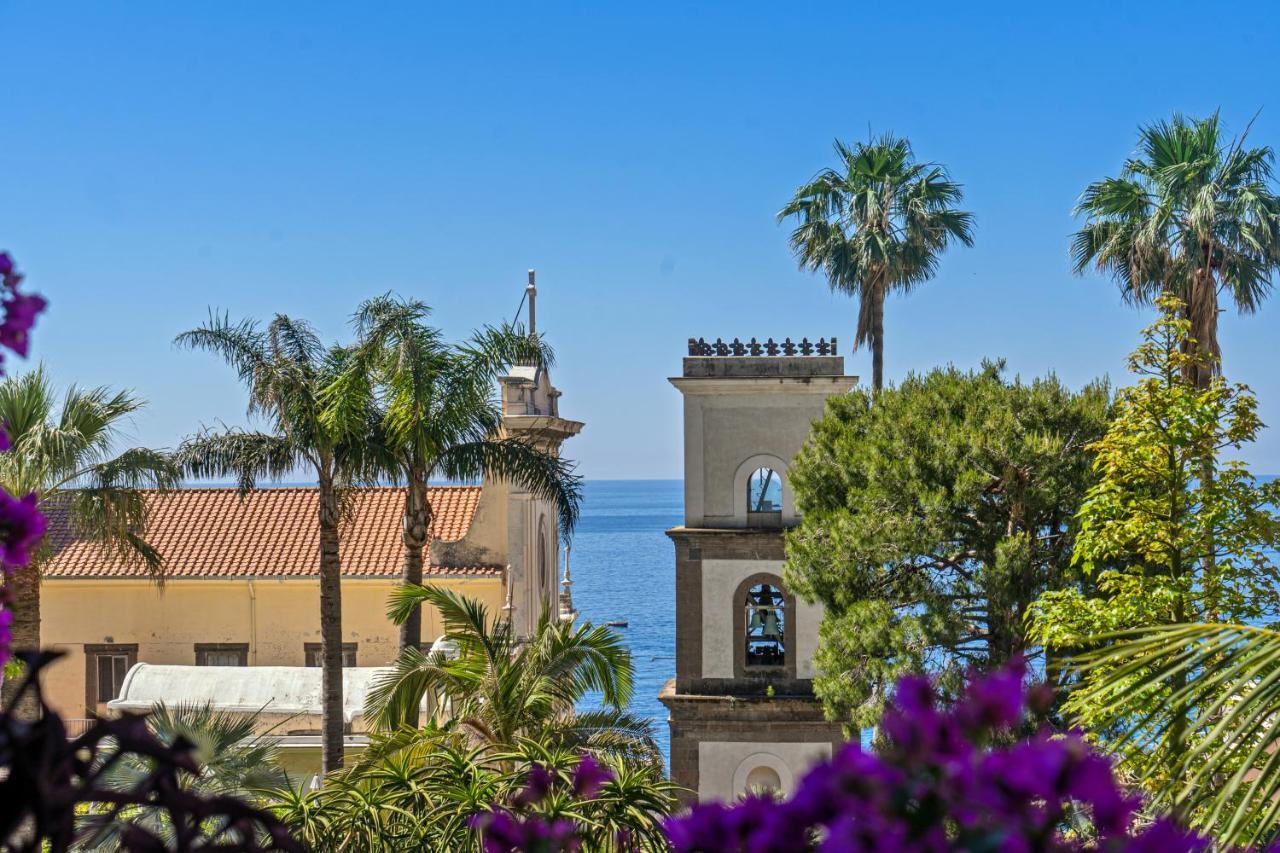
(64, 450)
(876, 223)
(231, 757)
(441, 419)
(1229, 676)
(499, 689)
(1193, 214)
(285, 369)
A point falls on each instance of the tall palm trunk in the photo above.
(330, 626)
(877, 337)
(24, 589)
(415, 537)
(1203, 313)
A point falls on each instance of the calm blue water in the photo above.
(624, 568)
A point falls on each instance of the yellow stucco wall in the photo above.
(275, 617)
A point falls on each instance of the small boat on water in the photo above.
(617, 623)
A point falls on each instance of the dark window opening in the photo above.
(105, 669)
(311, 651)
(766, 626)
(222, 654)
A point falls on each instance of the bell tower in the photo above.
(742, 710)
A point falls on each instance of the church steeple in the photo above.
(531, 411)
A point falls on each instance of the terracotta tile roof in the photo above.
(207, 533)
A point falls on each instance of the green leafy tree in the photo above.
(64, 450)
(441, 418)
(876, 223)
(286, 370)
(1194, 214)
(933, 515)
(498, 689)
(231, 758)
(1162, 545)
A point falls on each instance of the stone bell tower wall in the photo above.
(741, 414)
(739, 717)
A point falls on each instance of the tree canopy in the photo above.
(932, 520)
(65, 451)
(1194, 214)
(440, 418)
(1160, 544)
(878, 222)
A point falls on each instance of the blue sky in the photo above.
(159, 159)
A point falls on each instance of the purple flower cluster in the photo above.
(945, 779)
(21, 524)
(21, 529)
(20, 309)
(506, 830)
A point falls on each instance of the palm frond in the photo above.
(247, 456)
(521, 463)
(1230, 682)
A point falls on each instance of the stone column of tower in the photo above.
(742, 710)
(567, 611)
(531, 411)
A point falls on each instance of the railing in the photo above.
(700, 347)
(77, 726)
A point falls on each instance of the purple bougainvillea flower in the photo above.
(703, 828)
(21, 311)
(941, 780)
(503, 832)
(1165, 836)
(994, 701)
(589, 777)
(1090, 780)
(6, 264)
(21, 528)
(537, 785)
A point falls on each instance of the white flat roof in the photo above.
(286, 690)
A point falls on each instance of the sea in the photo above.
(623, 569)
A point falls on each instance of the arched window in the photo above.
(764, 492)
(766, 626)
(763, 778)
(544, 587)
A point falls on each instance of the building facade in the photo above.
(742, 710)
(241, 574)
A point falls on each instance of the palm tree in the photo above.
(1193, 214)
(285, 369)
(500, 689)
(441, 419)
(64, 452)
(428, 797)
(1229, 675)
(232, 759)
(876, 223)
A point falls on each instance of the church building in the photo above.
(742, 710)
